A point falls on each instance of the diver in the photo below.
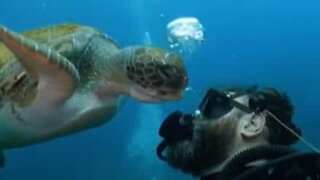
(239, 133)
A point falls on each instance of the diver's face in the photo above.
(210, 146)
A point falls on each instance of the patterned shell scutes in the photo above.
(51, 55)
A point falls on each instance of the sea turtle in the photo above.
(66, 78)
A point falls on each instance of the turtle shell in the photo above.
(44, 36)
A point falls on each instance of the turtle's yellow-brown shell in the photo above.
(43, 36)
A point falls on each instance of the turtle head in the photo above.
(155, 74)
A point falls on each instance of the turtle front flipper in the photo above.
(55, 75)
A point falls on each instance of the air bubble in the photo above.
(185, 34)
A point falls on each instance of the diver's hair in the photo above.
(279, 105)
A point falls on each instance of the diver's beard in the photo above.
(208, 148)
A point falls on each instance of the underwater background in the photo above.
(264, 42)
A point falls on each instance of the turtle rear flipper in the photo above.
(56, 75)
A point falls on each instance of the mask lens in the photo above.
(215, 104)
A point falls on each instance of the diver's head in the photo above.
(229, 121)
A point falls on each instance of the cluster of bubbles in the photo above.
(141, 146)
(185, 34)
(147, 38)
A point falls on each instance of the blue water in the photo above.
(266, 42)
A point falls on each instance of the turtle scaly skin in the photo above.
(67, 78)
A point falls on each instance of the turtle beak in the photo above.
(173, 95)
